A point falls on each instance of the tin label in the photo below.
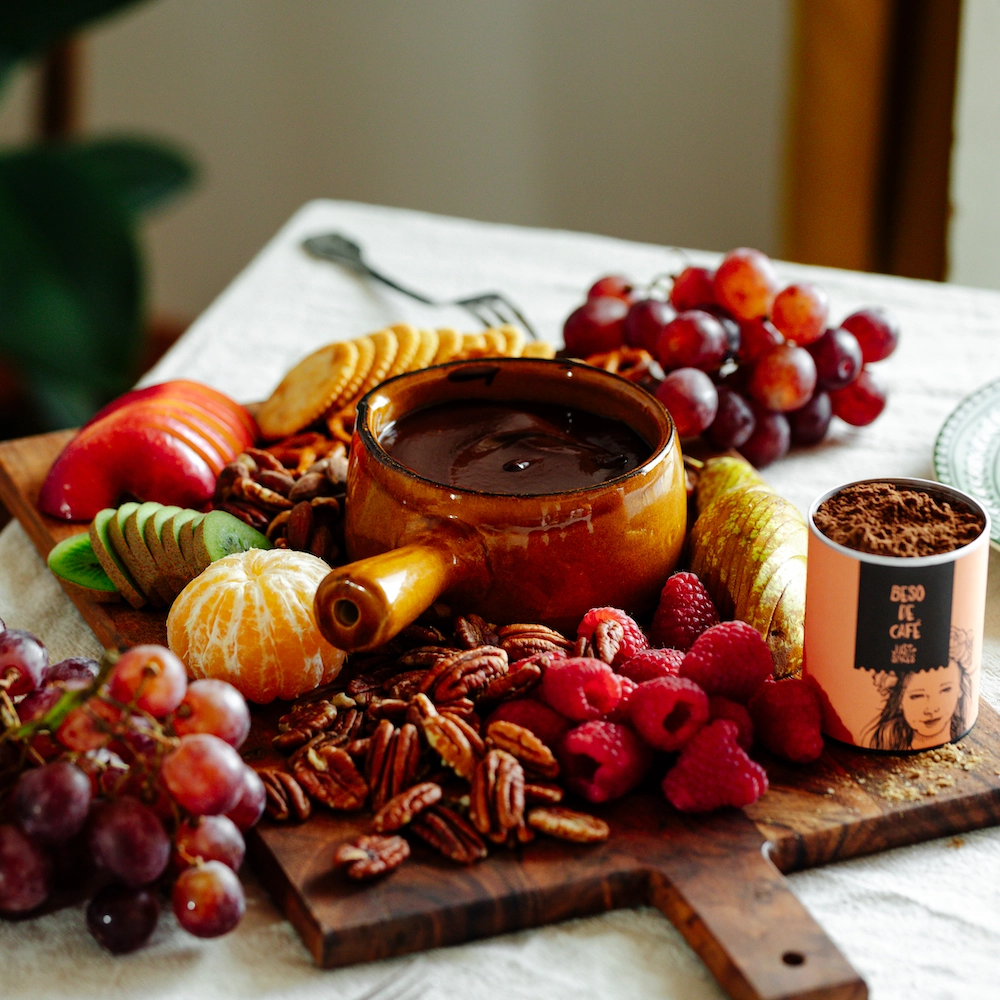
(904, 617)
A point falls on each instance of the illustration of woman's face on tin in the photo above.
(930, 698)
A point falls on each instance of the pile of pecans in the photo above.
(402, 732)
(292, 491)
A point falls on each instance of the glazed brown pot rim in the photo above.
(375, 449)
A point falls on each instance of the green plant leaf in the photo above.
(70, 277)
(143, 174)
(31, 26)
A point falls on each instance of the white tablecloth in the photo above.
(922, 921)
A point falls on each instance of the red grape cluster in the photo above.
(745, 363)
(125, 771)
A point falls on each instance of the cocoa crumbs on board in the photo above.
(884, 520)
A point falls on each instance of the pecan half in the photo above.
(567, 824)
(472, 631)
(450, 834)
(521, 640)
(519, 681)
(476, 741)
(422, 635)
(447, 739)
(392, 762)
(404, 685)
(260, 496)
(533, 754)
(423, 657)
(404, 806)
(393, 709)
(496, 802)
(460, 708)
(542, 791)
(247, 513)
(464, 673)
(302, 723)
(262, 459)
(284, 796)
(328, 775)
(371, 855)
(607, 640)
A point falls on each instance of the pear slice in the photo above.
(152, 534)
(786, 630)
(140, 560)
(109, 559)
(763, 601)
(784, 528)
(176, 569)
(722, 474)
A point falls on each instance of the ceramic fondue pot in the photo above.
(537, 557)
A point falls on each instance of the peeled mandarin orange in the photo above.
(248, 619)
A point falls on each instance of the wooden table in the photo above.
(917, 921)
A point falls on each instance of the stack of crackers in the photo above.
(329, 383)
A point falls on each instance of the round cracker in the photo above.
(429, 340)
(308, 390)
(409, 342)
(366, 355)
(386, 346)
(449, 345)
(538, 349)
(513, 340)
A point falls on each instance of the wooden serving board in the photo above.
(717, 877)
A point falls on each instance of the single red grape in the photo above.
(208, 838)
(734, 422)
(799, 312)
(127, 839)
(860, 402)
(51, 802)
(77, 670)
(24, 662)
(694, 339)
(597, 326)
(783, 379)
(810, 423)
(613, 286)
(204, 775)
(88, 726)
(757, 337)
(105, 770)
(877, 331)
(122, 919)
(25, 872)
(646, 320)
(250, 805)
(208, 899)
(731, 327)
(691, 398)
(745, 283)
(770, 438)
(151, 677)
(38, 703)
(692, 289)
(838, 359)
(216, 707)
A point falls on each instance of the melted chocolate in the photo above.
(513, 448)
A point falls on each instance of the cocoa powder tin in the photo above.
(893, 642)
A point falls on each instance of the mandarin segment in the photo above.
(248, 619)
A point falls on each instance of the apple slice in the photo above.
(109, 559)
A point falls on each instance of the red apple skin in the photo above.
(166, 443)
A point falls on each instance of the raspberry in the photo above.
(730, 659)
(549, 726)
(668, 711)
(602, 760)
(580, 688)
(652, 663)
(620, 712)
(786, 717)
(714, 771)
(684, 612)
(634, 640)
(723, 708)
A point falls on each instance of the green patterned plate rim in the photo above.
(967, 451)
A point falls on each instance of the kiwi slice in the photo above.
(73, 560)
(176, 568)
(111, 563)
(140, 559)
(220, 534)
(185, 539)
(152, 535)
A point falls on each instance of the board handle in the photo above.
(737, 911)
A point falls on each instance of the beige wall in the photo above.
(656, 120)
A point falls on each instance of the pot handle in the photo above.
(365, 603)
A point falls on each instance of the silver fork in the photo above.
(490, 308)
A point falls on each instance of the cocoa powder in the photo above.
(884, 520)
